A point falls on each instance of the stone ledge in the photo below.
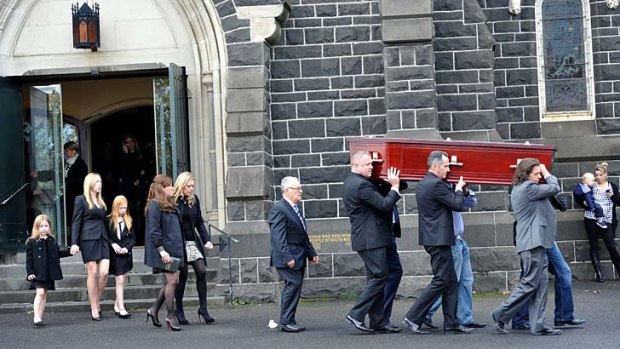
(405, 8)
(407, 30)
(265, 20)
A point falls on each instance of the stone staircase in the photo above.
(71, 294)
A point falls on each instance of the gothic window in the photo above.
(566, 88)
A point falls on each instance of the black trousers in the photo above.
(607, 235)
(293, 280)
(370, 300)
(444, 284)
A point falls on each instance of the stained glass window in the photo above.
(566, 84)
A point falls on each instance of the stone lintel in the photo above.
(405, 8)
(407, 30)
(248, 182)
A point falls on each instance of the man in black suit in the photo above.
(370, 214)
(75, 172)
(290, 246)
(436, 233)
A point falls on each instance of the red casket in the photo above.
(477, 162)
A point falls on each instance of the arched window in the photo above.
(565, 74)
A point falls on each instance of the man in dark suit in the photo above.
(290, 246)
(370, 214)
(75, 172)
(436, 233)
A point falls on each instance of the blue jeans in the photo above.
(564, 305)
(465, 277)
(395, 274)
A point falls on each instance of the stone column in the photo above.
(408, 58)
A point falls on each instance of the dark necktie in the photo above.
(301, 219)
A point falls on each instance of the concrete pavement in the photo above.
(245, 326)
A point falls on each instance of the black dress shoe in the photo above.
(475, 325)
(548, 332)
(573, 322)
(301, 327)
(38, 324)
(290, 328)
(520, 327)
(458, 330)
(359, 324)
(415, 328)
(389, 328)
(499, 326)
(429, 323)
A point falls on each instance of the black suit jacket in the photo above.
(87, 224)
(370, 212)
(384, 188)
(289, 239)
(127, 240)
(74, 180)
(436, 201)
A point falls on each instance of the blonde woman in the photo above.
(122, 239)
(42, 264)
(89, 236)
(197, 241)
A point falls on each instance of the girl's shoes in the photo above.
(38, 324)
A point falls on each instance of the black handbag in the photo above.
(559, 202)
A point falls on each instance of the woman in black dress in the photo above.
(163, 244)
(89, 236)
(122, 239)
(197, 241)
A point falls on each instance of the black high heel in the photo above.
(205, 315)
(154, 318)
(181, 317)
(172, 327)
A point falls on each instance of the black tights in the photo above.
(166, 294)
(200, 269)
(607, 235)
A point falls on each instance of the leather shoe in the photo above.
(474, 324)
(290, 328)
(389, 328)
(429, 323)
(458, 330)
(415, 328)
(573, 322)
(520, 327)
(359, 324)
(548, 332)
(499, 326)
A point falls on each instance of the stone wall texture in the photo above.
(331, 75)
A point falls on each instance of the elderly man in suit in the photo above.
(370, 214)
(536, 231)
(290, 247)
(436, 201)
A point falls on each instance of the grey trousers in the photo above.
(532, 287)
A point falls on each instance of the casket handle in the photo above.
(460, 164)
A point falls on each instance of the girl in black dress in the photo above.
(43, 263)
(122, 239)
(197, 242)
(89, 235)
(163, 242)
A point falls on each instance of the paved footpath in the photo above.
(245, 327)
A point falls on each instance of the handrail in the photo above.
(5, 201)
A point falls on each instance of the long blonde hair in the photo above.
(36, 234)
(115, 215)
(89, 182)
(179, 184)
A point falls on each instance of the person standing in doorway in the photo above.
(75, 172)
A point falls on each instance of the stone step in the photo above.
(107, 306)
(81, 294)
(69, 281)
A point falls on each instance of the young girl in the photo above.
(122, 239)
(43, 263)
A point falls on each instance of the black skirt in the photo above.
(120, 263)
(46, 284)
(94, 250)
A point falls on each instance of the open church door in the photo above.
(13, 186)
(171, 122)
